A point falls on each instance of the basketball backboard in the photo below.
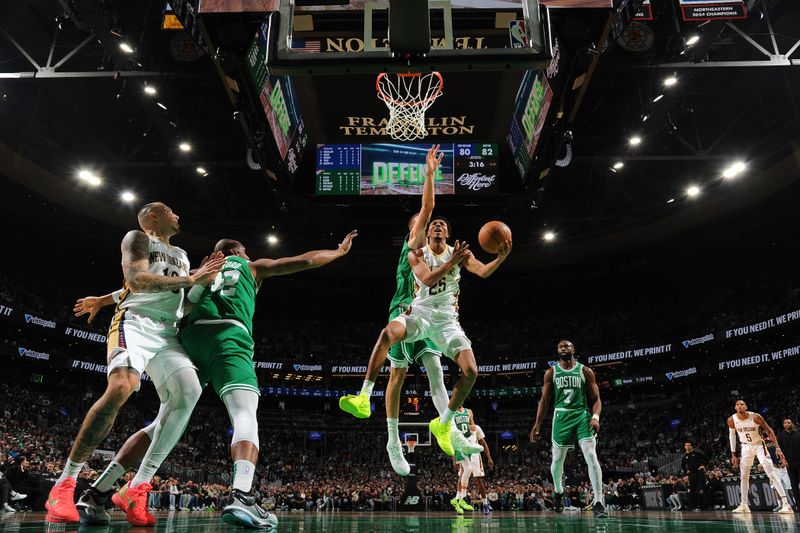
(311, 37)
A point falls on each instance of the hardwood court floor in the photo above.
(618, 522)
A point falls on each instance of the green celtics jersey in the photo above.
(569, 387)
(231, 297)
(461, 421)
(405, 280)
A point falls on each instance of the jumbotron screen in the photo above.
(389, 169)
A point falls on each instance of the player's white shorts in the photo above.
(441, 327)
(752, 451)
(144, 344)
(474, 463)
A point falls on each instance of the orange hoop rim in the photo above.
(430, 98)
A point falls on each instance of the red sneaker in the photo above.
(116, 499)
(61, 503)
(133, 500)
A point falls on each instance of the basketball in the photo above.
(492, 235)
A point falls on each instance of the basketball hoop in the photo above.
(411, 444)
(408, 95)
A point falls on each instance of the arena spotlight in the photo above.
(734, 170)
(272, 239)
(693, 191)
(84, 174)
(202, 171)
(618, 165)
(692, 40)
(125, 47)
(149, 89)
(162, 106)
(549, 236)
(635, 140)
(669, 82)
(185, 147)
(94, 181)
(127, 197)
(657, 98)
(670, 200)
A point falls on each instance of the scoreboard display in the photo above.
(392, 169)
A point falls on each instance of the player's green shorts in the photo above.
(571, 426)
(404, 354)
(223, 354)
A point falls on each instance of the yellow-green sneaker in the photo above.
(464, 505)
(356, 404)
(442, 434)
(457, 505)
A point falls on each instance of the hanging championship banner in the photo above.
(645, 12)
(712, 9)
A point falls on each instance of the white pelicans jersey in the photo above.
(164, 260)
(747, 429)
(443, 296)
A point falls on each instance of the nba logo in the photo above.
(518, 34)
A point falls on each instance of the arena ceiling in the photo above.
(735, 99)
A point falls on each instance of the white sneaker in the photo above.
(742, 509)
(461, 444)
(786, 509)
(7, 508)
(244, 512)
(398, 460)
(16, 496)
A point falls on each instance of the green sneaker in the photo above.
(464, 505)
(442, 434)
(457, 505)
(355, 404)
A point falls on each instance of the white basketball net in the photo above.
(408, 96)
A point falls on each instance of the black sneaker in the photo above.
(244, 512)
(599, 510)
(558, 502)
(91, 507)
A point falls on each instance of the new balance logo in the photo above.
(412, 500)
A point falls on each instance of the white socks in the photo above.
(394, 436)
(589, 448)
(71, 470)
(447, 416)
(109, 476)
(243, 472)
(366, 388)
(557, 467)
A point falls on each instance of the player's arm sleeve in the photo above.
(732, 439)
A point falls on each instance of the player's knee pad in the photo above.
(242, 406)
(151, 429)
(589, 449)
(184, 389)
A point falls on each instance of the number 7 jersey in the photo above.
(230, 299)
(569, 387)
(443, 296)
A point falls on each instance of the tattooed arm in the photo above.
(136, 261)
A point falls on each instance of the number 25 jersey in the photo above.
(443, 295)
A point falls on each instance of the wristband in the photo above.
(116, 295)
(195, 293)
(596, 417)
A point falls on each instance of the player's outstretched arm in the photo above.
(429, 277)
(544, 404)
(594, 392)
(766, 427)
(91, 305)
(478, 268)
(135, 266)
(314, 259)
(417, 238)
